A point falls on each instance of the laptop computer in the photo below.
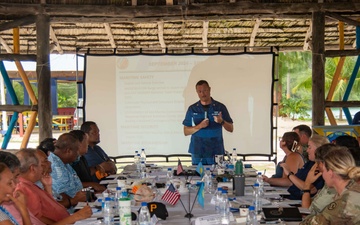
(284, 213)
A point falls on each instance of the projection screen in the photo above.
(139, 101)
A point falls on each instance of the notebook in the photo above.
(284, 213)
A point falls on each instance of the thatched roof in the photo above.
(102, 26)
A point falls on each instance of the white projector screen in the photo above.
(140, 101)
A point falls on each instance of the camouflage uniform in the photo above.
(343, 210)
(323, 198)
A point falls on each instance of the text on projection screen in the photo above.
(140, 101)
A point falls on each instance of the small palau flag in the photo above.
(200, 169)
(201, 195)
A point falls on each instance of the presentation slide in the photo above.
(140, 101)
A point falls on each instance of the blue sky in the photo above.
(66, 62)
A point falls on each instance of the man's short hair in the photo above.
(27, 157)
(79, 134)
(347, 141)
(66, 141)
(10, 160)
(47, 145)
(201, 82)
(86, 126)
(304, 129)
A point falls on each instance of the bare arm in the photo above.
(310, 178)
(280, 182)
(294, 162)
(194, 129)
(20, 203)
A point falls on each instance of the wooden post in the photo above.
(318, 71)
(43, 76)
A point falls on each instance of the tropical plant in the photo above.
(294, 108)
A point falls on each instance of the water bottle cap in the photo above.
(256, 185)
(118, 188)
(138, 154)
(136, 151)
(107, 199)
(259, 173)
(252, 208)
(231, 166)
(219, 189)
(169, 169)
(144, 204)
(207, 168)
(234, 148)
(99, 200)
(224, 191)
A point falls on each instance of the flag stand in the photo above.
(188, 214)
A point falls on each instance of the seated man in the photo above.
(81, 166)
(40, 202)
(96, 157)
(65, 180)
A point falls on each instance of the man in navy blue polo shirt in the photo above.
(204, 121)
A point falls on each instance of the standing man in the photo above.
(204, 121)
(96, 157)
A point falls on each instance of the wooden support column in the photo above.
(43, 76)
(318, 69)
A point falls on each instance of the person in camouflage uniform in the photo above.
(339, 172)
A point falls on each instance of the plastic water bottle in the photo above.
(143, 156)
(144, 215)
(143, 170)
(224, 208)
(136, 159)
(231, 169)
(233, 156)
(260, 181)
(251, 218)
(169, 177)
(257, 198)
(108, 212)
(217, 199)
(138, 164)
(208, 181)
(118, 195)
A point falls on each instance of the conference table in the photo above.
(201, 215)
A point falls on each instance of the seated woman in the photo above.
(326, 194)
(289, 143)
(296, 181)
(7, 187)
(339, 172)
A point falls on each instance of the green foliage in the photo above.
(67, 96)
(294, 108)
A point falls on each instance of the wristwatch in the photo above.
(222, 122)
(305, 191)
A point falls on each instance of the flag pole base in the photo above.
(189, 215)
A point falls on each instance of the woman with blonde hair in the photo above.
(340, 172)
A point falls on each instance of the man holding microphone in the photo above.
(204, 121)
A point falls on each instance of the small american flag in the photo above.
(171, 195)
(179, 168)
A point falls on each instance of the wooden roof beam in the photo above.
(18, 108)
(5, 45)
(18, 57)
(18, 22)
(161, 35)
(254, 32)
(307, 40)
(240, 8)
(343, 19)
(205, 35)
(56, 41)
(110, 35)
